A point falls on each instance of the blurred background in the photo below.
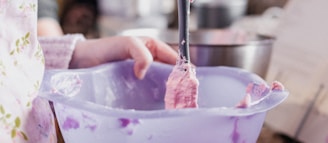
(237, 33)
(96, 18)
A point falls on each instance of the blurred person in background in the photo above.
(58, 17)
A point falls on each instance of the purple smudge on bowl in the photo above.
(91, 127)
(235, 134)
(124, 122)
(70, 123)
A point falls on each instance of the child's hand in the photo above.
(142, 49)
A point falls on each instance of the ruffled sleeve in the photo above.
(58, 51)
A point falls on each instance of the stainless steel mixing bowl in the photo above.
(219, 13)
(213, 47)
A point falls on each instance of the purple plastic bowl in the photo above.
(108, 104)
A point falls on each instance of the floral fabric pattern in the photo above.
(21, 71)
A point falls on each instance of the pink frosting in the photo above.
(182, 87)
(277, 86)
(260, 90)
(245, 102)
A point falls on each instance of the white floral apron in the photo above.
(21, 71)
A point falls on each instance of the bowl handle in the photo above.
(274, 98)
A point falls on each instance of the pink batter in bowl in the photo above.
(108, 104)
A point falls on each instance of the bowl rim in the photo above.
(101, 110)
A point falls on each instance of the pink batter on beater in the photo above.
(182, 84)
(182, 87)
